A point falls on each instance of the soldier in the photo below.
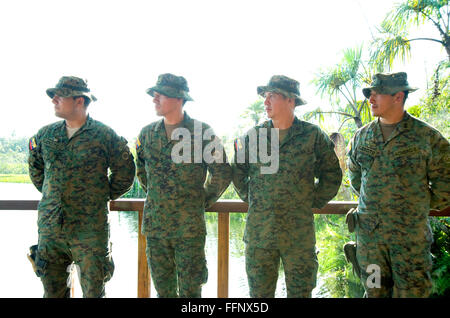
(177, 194)
(399, 167)
(68, 163)
(280, 220)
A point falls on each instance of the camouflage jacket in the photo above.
(72, 174)
(177, 193)
(280, 204)
(399, 180)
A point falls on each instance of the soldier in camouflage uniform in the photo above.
(280, 220)
(399, 167)
(177, 194)
(68, 163)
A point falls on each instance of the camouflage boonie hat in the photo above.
(388, 84)
(171, 86)
(284, 85)
(69, 86)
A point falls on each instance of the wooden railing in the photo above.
(223, 207)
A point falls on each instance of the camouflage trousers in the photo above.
(401, 268)
(177, 266)
(88, 250)
(300, 270)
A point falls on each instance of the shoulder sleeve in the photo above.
(240, 168)
(354, 169)
(219, 176)
(35, 161)
(439, 172)
(121, 165)
(140, 160)
(327, 170)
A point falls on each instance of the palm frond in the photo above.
(394, 39)
(255, 111)
(388, 49)
(316, 114)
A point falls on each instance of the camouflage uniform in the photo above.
(280, 221)
(177, 196)
(72, 175)
(398, 181)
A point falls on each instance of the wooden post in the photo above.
(73, 271)
(143, 271)
(223, 252)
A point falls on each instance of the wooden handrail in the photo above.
(223, 207)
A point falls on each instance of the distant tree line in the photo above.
(13, 155)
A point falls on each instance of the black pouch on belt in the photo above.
(350, 219)
(38, 264)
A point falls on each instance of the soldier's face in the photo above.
(381, 105)
(65, 107)
(165, 106)
(277, 105)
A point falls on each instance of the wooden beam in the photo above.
(336, 207)
(443, 212)
(229, 206)
(127, 205)
(11, 205)
(143, 271)
(223, 237)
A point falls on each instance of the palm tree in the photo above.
(394, 40)
(255, 111)
(343, 81)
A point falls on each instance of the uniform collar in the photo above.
(160, 129)
(404, 125)
(86, 126)
(376, 131)
(186, 123)
(297, 128)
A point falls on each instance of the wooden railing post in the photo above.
(223, 237)
(143, 271)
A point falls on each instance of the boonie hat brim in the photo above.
(263, 89)
(169, 92)
(65, 92)
(387, 90)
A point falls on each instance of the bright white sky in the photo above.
(225, 49)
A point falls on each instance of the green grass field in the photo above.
(15, 178)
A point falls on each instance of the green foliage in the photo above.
(337, 277)
(13, 155)
(434, 107)
(13, 144)
(250, 117)
(440, 249)
(340, 80)
(394, 38)
(136, 191)
(230, 193)
(255, 112)
(340, 83)
(392, 44)
(15, 178)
